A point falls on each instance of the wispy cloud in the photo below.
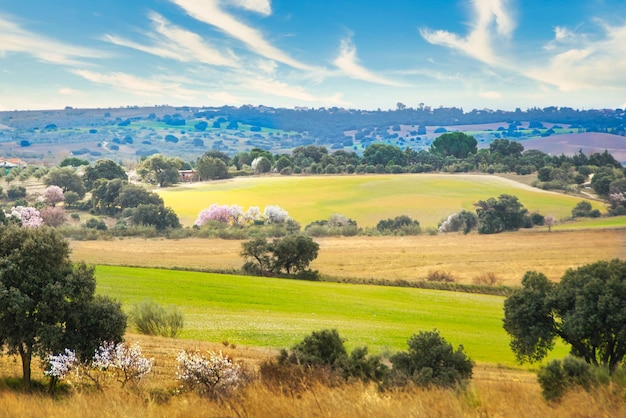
(15, 39)
(128, 83)
(577, 62)
(209, 12)
(492, 20)
(171, 41)
(348, 62)
(262, 7)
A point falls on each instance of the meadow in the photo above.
(276, 313)
(411, 258)
(429, 198)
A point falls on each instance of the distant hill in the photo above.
(588, 142)
(133, 132)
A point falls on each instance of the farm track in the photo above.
(466, 257)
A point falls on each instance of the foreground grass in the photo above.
(492, 392)
(429, 198)
(276, 313)
(465, 257)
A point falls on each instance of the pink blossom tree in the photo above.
(29, 216)
(52, 195)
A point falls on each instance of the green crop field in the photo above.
(276, 313)
(429, 198)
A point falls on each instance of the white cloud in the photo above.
(209, 12)
(171, 41)
(348, 62)
(15, 39)
(492, 19)
(128, 83)
(576, 62)
(262, 7)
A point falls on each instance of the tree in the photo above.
(103, 169)
(384, 154)
(291, 254)
(46, 303)
(497, 215)
(160, 170)
(456, 144)
(52, 195)
(294, 253)
(586, 309)
(73, 162)
(66, 179)
(211, 168)
(432, 360)
(155, 215)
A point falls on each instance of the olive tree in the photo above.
(586, 309)
(47, 303)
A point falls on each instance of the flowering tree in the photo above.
(215, 212)
(275, 214)
(52, 195)
(62, 366)
(28, 215)
(53, 216)
(213, 374)
(253, 214)
(127, 363)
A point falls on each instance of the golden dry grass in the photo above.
(466, 257)
(493, 392)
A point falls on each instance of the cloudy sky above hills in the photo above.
(498, 54)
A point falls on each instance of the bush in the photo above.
(325, 349)
(96, 224)
(431, 360)
(583, 209)
(440, 277)
(151, 318)
(559, 376)
(16, 192)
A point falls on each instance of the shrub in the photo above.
(559, 376)
(440, 276)
(431, 360)
(96, 224)
(16, 192)
(126, 363)
(151, 318)
(583, 209)
(325, 349)
(213, 375)
(489, 279)
(464, 221)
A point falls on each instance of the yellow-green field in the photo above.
(429, 198)
(507, 255)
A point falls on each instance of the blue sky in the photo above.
(474, 54)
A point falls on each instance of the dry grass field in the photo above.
(507, 255)
(493, 392)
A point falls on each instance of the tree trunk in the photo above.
(26, 354)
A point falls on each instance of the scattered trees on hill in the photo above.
(586, 309)
(46, 303)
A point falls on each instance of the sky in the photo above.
(365, 54)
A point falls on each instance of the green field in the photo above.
(276, 313)
(429, 198)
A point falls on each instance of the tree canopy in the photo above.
(586, 309)
(46, 303)
(456, 144)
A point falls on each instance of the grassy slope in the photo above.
(428, 198)
(276, 313)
